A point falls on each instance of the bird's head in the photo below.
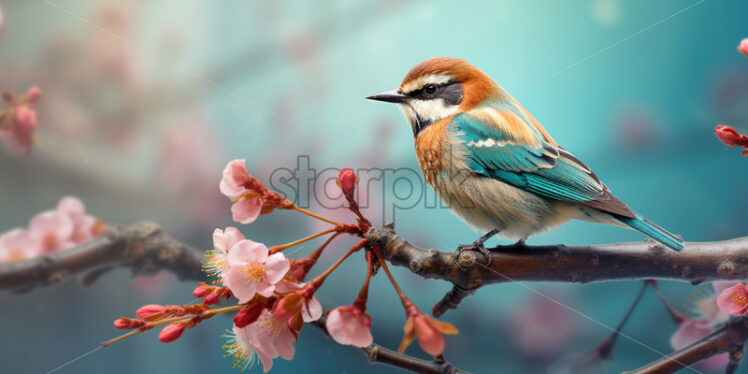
(438, 88)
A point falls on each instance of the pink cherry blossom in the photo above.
(17, 245)
(52, 231)
(83, 224)
(225, 239)
(253, 271)
(743, 47)
(271, 338)
(241, 350)
(234, 184)
(734, 300)
(216, 263)
(689, 332)
(350, 325)
(428, 331)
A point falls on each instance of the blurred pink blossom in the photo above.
(743, 47)
(17, 124)
(17, 244)
(52, 231)
(734, 300)
(84, 226)
(541, 328)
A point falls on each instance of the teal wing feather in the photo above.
(546, 170)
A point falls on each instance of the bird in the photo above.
(494, 165)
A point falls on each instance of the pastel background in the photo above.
(145, 101)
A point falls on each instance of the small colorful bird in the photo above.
(494, 164)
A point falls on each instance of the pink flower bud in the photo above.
(347, 180)
(743, 47)
(34, 94)
(288, 306)
(151, 312)
(730, 136)
(212, 298)
(171, 332)
(122, 323)
(202, 290)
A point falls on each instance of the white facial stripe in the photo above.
(408, 112)
(433, 110)
(417, 83)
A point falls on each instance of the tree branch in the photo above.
(145, 249)
(698, 262)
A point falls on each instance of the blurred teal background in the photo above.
(144, 103)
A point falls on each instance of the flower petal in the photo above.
(247, 210)
(276, 267)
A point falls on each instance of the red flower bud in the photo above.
(288, 306)
(171, 332)
(248, 314)
(151, 312)
(202, 290)
(730, 136)
(122, 323)
(347, 180)
(213, 298)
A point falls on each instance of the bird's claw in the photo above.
(479, 247)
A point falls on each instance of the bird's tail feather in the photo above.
(655, 232)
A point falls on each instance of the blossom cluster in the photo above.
(273, 297)
(18, 123)
(709, 309)
(51, 231)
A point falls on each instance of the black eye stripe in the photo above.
(422, 94)
(450, 92)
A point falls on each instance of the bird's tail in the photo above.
(655, 232)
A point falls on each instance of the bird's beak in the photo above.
(391, 96)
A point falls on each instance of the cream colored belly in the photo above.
(486, 204)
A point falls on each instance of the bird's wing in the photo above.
(502, 144)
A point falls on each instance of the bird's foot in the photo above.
(476, 246)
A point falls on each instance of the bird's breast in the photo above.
(430, 145)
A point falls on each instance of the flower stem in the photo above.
(317, 281)
(318, 252)
(404, 299)
(278, 248)
(203, 315)
(363, 294)
(674, 314)
(317, 216)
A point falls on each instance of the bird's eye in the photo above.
(430, 89)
